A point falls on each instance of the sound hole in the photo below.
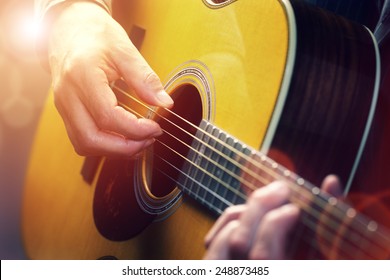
(170, 150)
(117, 215)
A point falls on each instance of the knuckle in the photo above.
(229, 212)
(69, 67)
(57, 98)
(85, 144)
(58, 84)
(104, 118)
(73, 65)
(258, 196)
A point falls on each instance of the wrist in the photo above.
(45, 7)
(49, 12)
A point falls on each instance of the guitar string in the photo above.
(237, 152)
(202, 200)
(316, 215)
(319, 213)
(218, 210)
(278, 175)
(308, 195)
(325, 234)
(269, 170)
(222, 200)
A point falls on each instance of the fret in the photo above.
(338, 231)
(224, 174)
(263, 170)
(381, 237)
(207, 165)
(362, 238)
(238, 185)
(186, 180)
(216, 169)
(230, 165)
(221, 171)
(349, 243)
(213, 168)
(196, 168)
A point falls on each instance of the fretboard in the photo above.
(210, 176)
(221, 171)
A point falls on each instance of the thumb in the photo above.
(332, 185)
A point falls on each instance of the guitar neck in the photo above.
(221, 171)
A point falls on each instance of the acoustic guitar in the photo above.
(263, 90)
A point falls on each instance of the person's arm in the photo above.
(43, 6)
(87, 50)
(259, 228)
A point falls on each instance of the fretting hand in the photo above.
(259, 228)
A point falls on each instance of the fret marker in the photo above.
(300, 181)
(274, 165)
(332, 201)
(372, 226)
(287, 173)
(351, 212)
(315, 191)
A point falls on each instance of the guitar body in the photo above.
(296, 82)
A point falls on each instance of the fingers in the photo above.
(259, 203)
(270, 236)
(87, 51)
(270, 239)
(256, 230)
(139, 75)
(94, 120)
(219, 249)
(108, 116)
(230, 214)
(331, 184)
(88, 139)
(259, 228)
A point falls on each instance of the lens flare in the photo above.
(20, 29)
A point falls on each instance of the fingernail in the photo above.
(164, 99)
(149, 142)
(157, 133)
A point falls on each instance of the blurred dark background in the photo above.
(23, 89)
